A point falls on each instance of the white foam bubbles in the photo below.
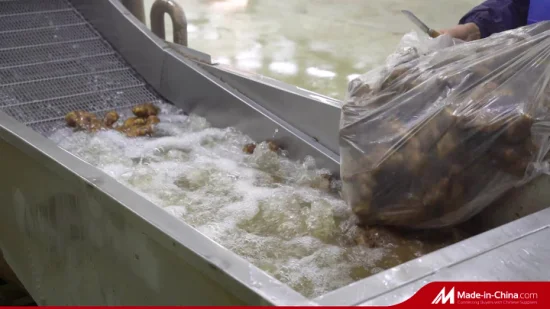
(261, 206)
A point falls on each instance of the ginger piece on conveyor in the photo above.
(323, 182)
(139, 126)
(249, 148)
(152, 120)
(143, 122)
(82, 120)
(110, 119)
(137, 131)
(273, 146)
(133, 122)
(145, 110)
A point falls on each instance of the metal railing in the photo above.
(158, 11)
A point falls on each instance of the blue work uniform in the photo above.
(494, 16)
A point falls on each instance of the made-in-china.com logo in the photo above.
(482, 296)
(443, 298)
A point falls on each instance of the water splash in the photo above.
(274, 212)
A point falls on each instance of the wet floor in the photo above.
(314, 44)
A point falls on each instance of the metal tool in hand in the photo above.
(432, 33)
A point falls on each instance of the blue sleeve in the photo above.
(493, 16)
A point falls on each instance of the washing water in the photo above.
(279, 214)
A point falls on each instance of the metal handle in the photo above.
(136, 8)
(179, 21)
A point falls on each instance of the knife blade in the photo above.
(432, 33)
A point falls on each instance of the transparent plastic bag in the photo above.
(429, 141)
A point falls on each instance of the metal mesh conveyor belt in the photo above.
(52, 62)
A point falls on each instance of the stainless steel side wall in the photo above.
(71, 243)
(311, 113)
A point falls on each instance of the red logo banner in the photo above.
(467, 295)
(481, 293)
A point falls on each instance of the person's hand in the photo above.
(466, 32)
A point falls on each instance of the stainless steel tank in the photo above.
(75, 236)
